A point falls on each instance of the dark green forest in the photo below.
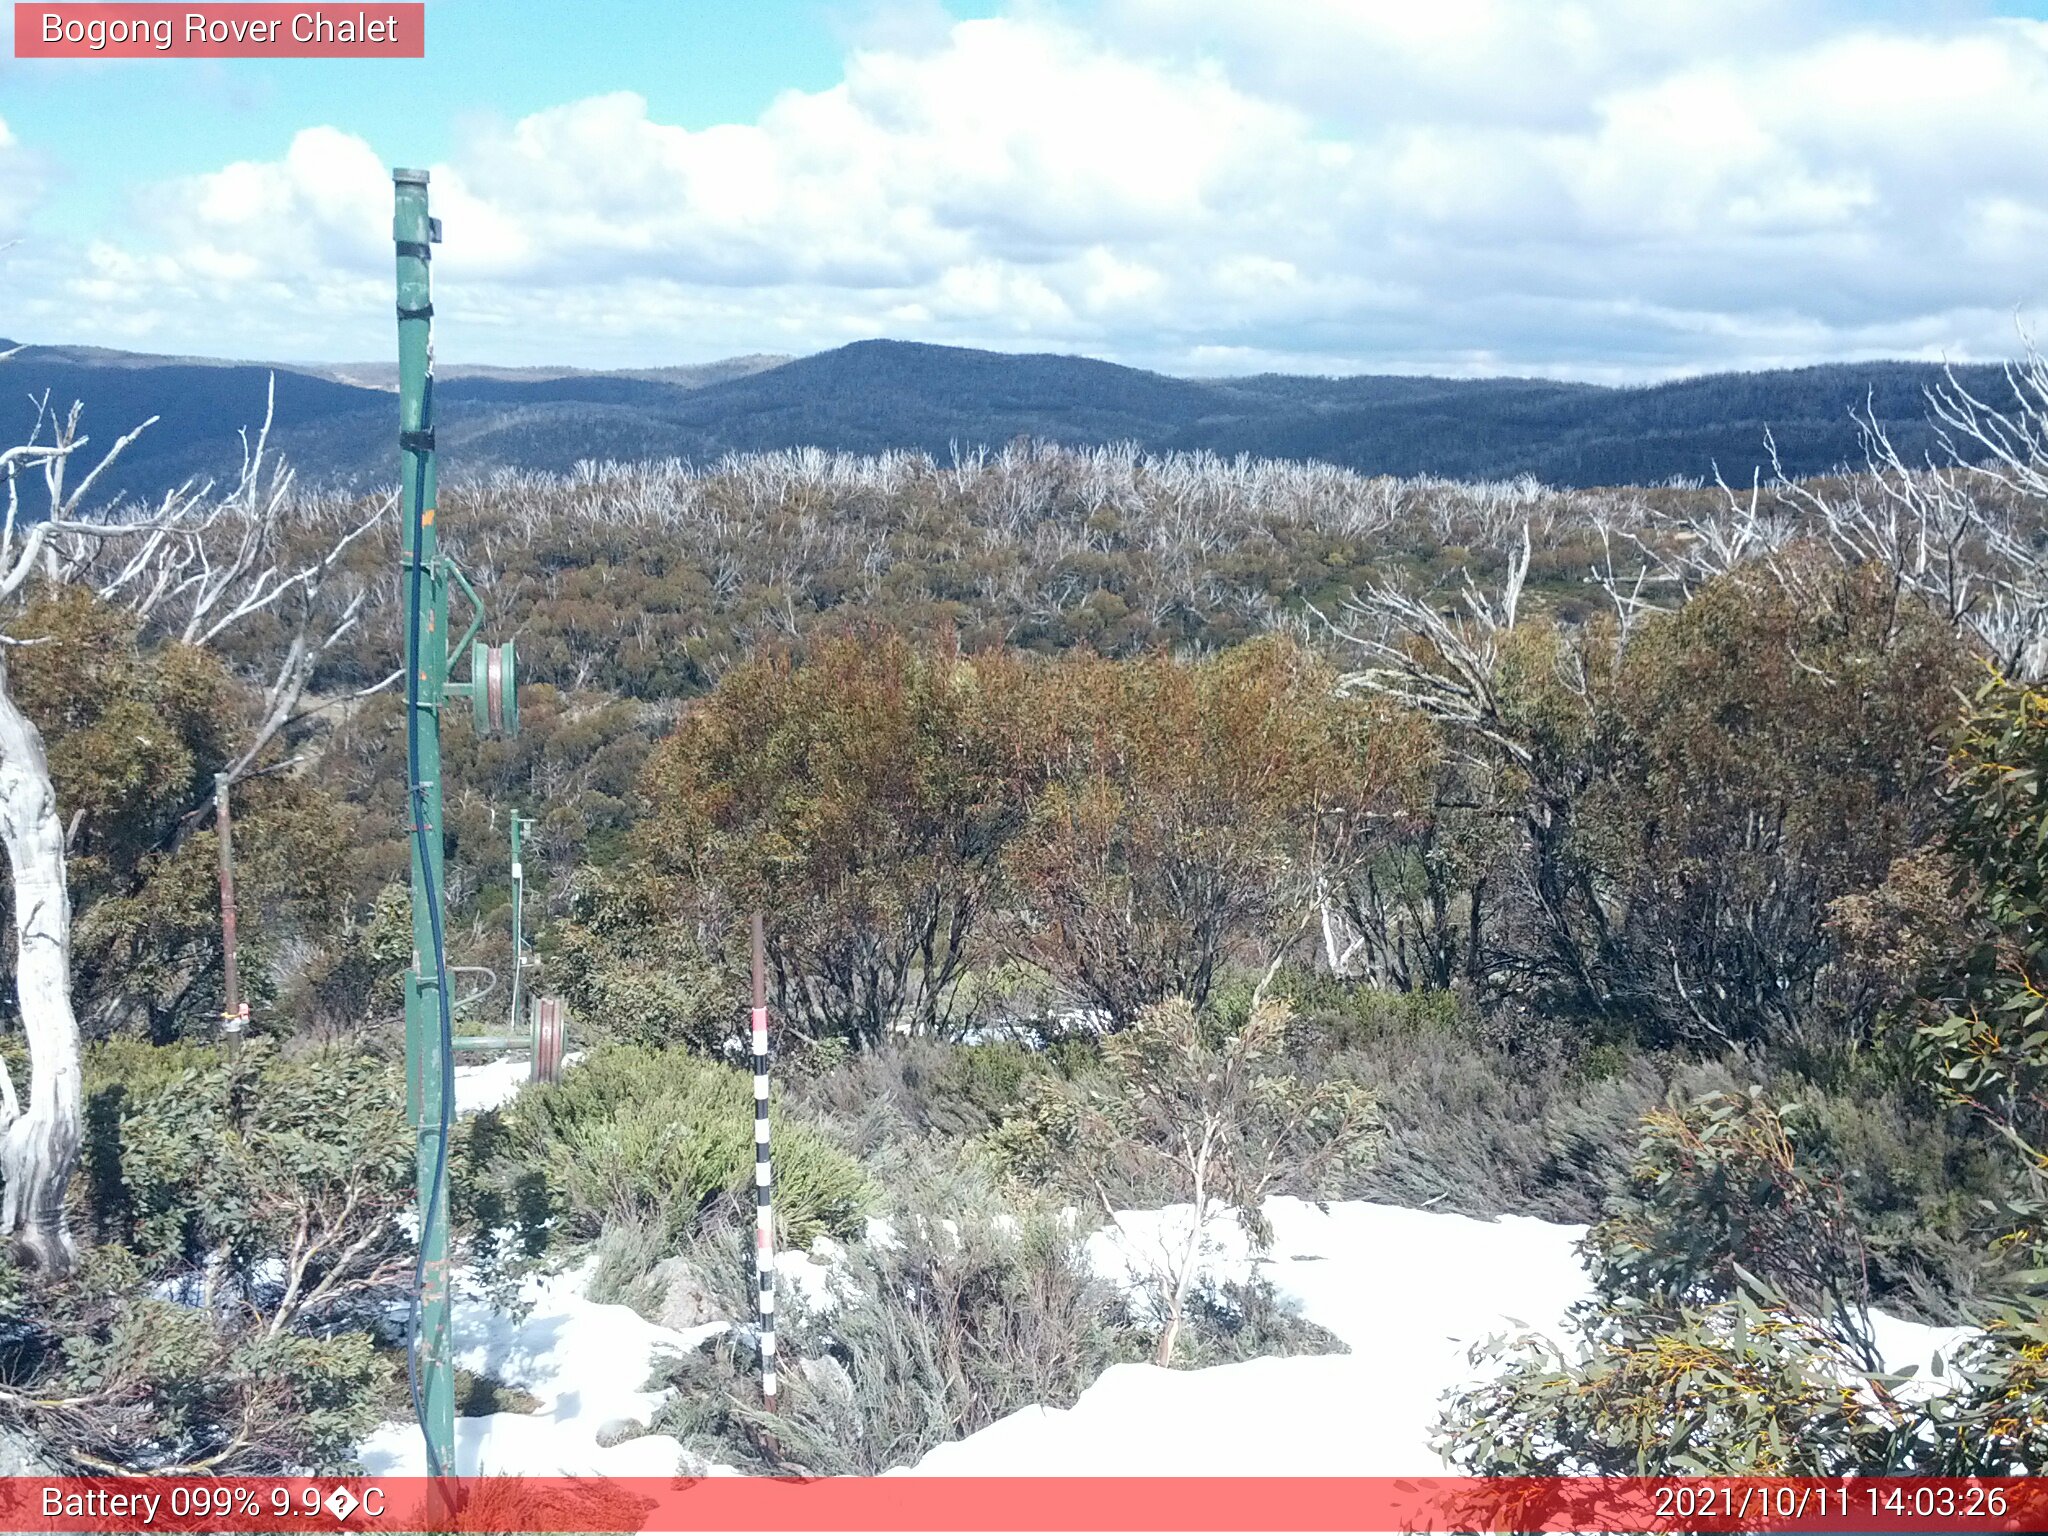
(883, 396)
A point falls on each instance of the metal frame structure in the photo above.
(521, 959)
(428, 577)
(429, 1068)
(539, 1025)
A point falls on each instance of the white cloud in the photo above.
(1200, 184)
(20, 184)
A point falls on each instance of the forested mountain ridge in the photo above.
(871, 396)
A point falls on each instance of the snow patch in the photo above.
(482, 1085)
(1409, 1292)
(817, 1278)
(589, 1363)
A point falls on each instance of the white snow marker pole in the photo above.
(764, 1179)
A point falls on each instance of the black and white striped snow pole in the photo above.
(764, 1179)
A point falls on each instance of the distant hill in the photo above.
(688, 376)
(337, 423)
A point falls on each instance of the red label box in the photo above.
(111, 30)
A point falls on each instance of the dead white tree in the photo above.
(201, 565)
(1630, 592)
(1997, 468)
(1961, 531)
(35, 1143)
(211, 562)
(1446, 665)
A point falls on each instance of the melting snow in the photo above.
(481, 1085)
(587, 1362)
(1408, 1291)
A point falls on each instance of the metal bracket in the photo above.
(490, 985)
(476, 620)
(492, 685)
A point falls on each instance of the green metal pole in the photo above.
(427, 629)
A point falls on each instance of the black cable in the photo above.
(416, 801)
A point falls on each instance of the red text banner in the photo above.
(111, 30)
(1052, 1504)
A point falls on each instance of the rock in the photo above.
(619, 1431)
(826, 1376)
(680, 1299)
(22, 1455)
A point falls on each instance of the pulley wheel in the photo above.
(550, 1039)
(494, 691)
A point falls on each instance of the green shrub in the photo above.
(627, 1252)
(1334, 1014)
(1736, 1387)
(1730, 1332)
(627, 967)
(106, 1375)
(981, 1304)
(195, 1156)
(918, 1086)
(1996, 1421)
(1920, 1178)
(976, 1085)
(1484, 1131)
(120, 1073)
(140, 1068)
(361, 974)
(1730, 1185)
(1246, 1320)
(247, 1213)
(637, 1134)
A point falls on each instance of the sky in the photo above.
(1613, 190)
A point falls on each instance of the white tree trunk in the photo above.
(1191, 1259)
(39, 1149)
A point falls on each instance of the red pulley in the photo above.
(550, 1039)
(494, 688)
